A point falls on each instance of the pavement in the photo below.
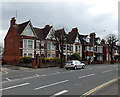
(111, 89)
(108, 89)
(54, 82)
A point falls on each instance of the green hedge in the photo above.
(50, 60)
(44, 60)
(26, 60)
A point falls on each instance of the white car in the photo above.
(75, 64)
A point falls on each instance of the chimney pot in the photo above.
(12, 22)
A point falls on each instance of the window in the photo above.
(71, 48)
(99, 49)
(53, 46)
(42, 43)
(37, 44)
(25, 43)
(89, 48)
(76, 48)
(48, 55)
(30, 43)
(53, 55)
(49, 45)
(64, 47)
(79, 48)
(25, 55)
(29, 55)
(90, 57)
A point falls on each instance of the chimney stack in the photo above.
(74, 30)
(92, 38)
(12, 21)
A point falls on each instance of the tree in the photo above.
(59, 38)
(75, 56)
(111, 40)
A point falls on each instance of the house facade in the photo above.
(28, 41)
(24, 40)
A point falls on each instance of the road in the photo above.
(57, 82)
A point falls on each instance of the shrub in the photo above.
(76, 56)
(26, 60)
(56, 59)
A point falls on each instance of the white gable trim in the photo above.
(29, 24)
(49, 34)
(77, 40)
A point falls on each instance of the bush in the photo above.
(50, 60)
(26, 60)
(76, 56)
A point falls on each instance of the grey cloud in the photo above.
(65, 14)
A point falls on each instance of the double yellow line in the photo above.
(99, 87)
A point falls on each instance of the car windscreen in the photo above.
(69, 62)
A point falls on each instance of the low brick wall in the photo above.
(26, 65)
(55, 64)
(44, 65)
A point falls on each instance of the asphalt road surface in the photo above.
(55, 82)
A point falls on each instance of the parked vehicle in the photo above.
(74, 64)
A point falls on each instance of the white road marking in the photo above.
(43, 75)
(51, 84)
(113, 65)
(57, 72)
(106, 71)
(90, 75)
(37, 75)
(116, 69)
(86, 76)
(81, 76)
(8, 79)
(59, 93)
(14, 86)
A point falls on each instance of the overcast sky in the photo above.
(87, 15)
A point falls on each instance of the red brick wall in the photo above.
(11, 47)
(89, 53)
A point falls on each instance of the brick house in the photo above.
(97, 47)
(23, 40)
(73, 43)
(106, 56)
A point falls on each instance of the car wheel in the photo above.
(83, 66)
(75, 67)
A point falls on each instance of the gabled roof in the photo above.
(82, 38)
(60, 32)
(71, 36)
(42, 33)
(20, 27)
(39, 33)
